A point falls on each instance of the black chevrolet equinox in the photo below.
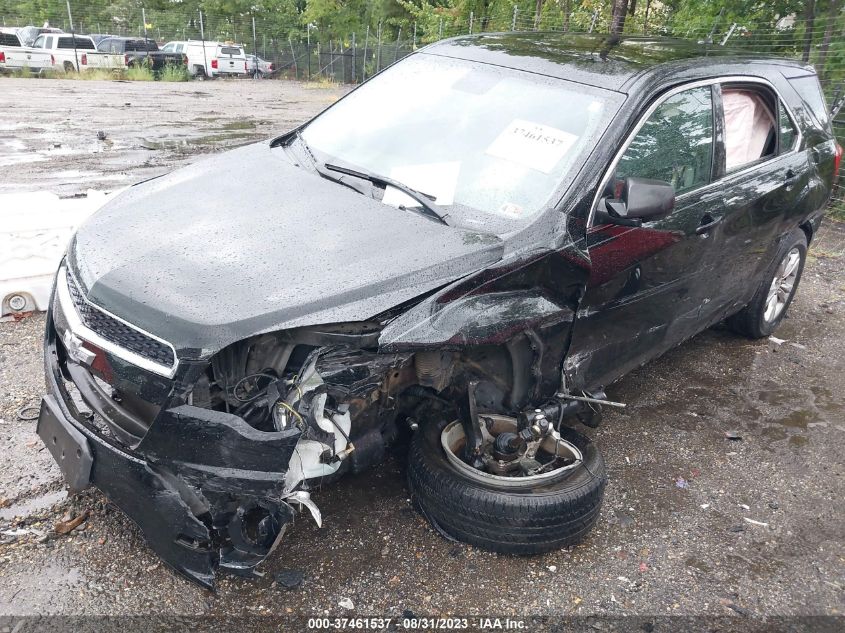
(464, 251)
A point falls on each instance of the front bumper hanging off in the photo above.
(205, 488)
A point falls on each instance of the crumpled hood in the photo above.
(245, 242)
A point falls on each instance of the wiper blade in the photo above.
(424, 200)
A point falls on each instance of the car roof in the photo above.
(601, 60)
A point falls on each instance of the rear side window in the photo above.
(84, 44)
(750, 126)
(787, 130)
(810, 90)
(229, 50)
(9, 39)
(675, 144)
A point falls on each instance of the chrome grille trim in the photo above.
(110, 332)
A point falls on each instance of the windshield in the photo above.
(498, 142)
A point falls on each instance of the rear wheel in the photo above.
(69, 67)
(199, 73)
(768, 307)
(551, 503)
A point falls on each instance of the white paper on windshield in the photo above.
(434, 179)
(532, 145)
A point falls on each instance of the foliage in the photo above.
(139, 73)
(174, 72)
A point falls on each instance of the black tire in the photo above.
(521, 521)
(69, 67)
(751, 320)
(199, 74)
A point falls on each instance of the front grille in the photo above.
(116, 331)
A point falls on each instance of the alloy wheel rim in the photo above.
(783, 283)
(566, 455)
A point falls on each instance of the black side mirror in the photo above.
(642, 199)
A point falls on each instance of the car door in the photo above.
(762, 187)
(648, 284)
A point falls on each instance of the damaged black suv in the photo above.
(469, 247)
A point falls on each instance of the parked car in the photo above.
(210, 59)
(257, 67)
(28, 34)
(14, 55)
(76, 52)
(468, 248)
(139, 51)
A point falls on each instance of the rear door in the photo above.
(648, 284)
(765, 180)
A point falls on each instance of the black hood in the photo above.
(245, 242)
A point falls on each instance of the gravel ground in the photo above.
(693, 523)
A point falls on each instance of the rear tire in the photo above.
(763, 314)
(511, 521)
(199, 74)
(69, 67)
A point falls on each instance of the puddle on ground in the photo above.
(796, 419)
(28, 507)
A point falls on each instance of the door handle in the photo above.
(707, 223)
(791, 178)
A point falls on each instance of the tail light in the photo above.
(246, 70)
(185, 59)
(126, 60)
(84, 59)
(214, 64)
(272, 67)
(837, 161)
(52, 60)
(2, 57)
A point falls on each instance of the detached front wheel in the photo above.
(516, 504)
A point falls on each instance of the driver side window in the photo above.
(674, 145)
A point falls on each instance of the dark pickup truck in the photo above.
(137, 51)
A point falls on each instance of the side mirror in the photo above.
(642, 199)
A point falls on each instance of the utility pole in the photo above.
(72, 35)
(414, 43)
(441, 28)
(144, 20)
(308, 46)
(470, 22)
(255, 71)
(513, 20)
(396, 48)
(364, 64)
(202, 38)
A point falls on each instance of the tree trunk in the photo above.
(538, 9)
(832, 14)
(617, 19)
(809, 24)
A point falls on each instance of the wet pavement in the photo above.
(726, 481)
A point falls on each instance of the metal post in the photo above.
(72, 35)
(593, 23)
(144, 20)
(308, 45)
(470, 22)
(354, 59)
(441, 29)
(255, 71)
(396, 48)
(293, 56)
(414, 43)
(204, 57)
(364, 64)
(728, 34)
(378, 51)
(513, 20)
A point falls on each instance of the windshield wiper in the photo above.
(424, 200)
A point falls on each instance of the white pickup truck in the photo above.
(210, 59)
(14, 56)
(76, 52)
